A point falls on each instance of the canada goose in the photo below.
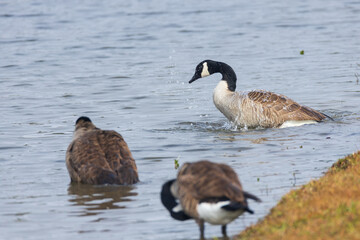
(256, 108)
(207, 192)
(98, 156)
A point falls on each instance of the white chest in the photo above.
(225, 101)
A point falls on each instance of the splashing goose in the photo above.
(207, 192)
(98, 156)
(256, 108)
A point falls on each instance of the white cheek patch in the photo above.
(177, 208)
(205, 70)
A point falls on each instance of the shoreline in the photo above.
(326, 208)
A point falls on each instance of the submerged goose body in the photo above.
(206, 192)
(98, 156)
(256, 108)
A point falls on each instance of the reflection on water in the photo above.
(97, 198)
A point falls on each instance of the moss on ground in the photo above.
(328, 208)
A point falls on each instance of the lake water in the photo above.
(126, 65)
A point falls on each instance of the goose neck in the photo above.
(228, 75)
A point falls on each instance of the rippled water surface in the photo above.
(126, 65)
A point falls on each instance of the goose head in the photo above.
(83, 122)
(82, 125)
(204, 69)
(208, 67)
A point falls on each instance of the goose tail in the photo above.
(234, 206)
(251, 196)
(327, 116)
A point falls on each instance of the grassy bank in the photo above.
(328, 208)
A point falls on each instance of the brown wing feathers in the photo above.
(118, 156)
(284, 107)
(96, 157)
(205, 181)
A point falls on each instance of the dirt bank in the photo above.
(328, 208)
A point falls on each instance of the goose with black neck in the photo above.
(257, 108)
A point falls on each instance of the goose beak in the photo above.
(195, 77)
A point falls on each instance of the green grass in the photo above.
(328, 208)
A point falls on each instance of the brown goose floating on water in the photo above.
(207, 192)
(256, 108)
(98, 156)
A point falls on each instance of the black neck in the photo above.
(169, 202)
(228, 75)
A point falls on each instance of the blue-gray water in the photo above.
(126, 65)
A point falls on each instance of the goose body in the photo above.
(98, 156)
(206, 192)
(215, 214)
(256, 108)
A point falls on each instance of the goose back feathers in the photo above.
(207, 192)
(256, 108)
(98, 156)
